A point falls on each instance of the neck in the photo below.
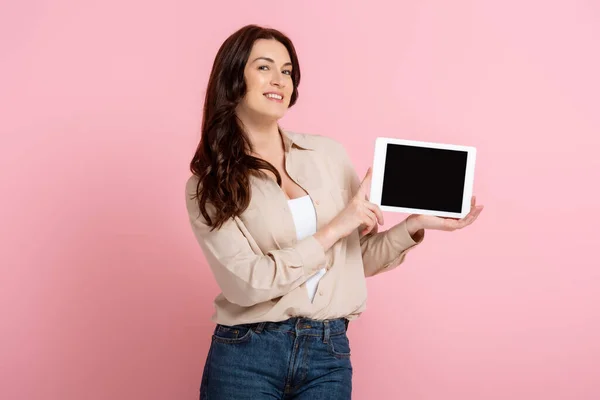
(263, 134)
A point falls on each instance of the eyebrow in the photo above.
(270, 60)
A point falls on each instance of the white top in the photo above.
(305, 219)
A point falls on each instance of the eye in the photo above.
(263, 68)
(288, 72)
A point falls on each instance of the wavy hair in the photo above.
(223, 162)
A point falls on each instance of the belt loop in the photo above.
(260, 327)
(325, 331)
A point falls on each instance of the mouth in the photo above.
(274, 97)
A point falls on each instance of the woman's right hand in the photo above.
(359, 212)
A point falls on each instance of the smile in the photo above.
(274, 97)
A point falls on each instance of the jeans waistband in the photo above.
(303, 326)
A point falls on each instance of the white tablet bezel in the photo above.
(379, 166)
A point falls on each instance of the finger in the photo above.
(368, 230)
(369, 223)
(467, 219)
(376, 210)
(463, 222)
(472, 211)
(473, 201)
(471, 217)
(450, 224)
(366, 183)
(369, 217)
(476, 214)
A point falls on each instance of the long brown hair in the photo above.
(222, 161)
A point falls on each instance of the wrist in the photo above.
(331, 233)
(327, 236)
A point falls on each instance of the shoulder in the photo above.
(332, 155)
(191, 191)
(319, 143)
(191, 186)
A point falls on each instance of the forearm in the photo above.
(327, 237)
(384, 251)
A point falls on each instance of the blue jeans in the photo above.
(295, 359)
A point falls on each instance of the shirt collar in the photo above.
(294, 139)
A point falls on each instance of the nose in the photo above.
(277, 79)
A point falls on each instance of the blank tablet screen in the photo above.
(425, 178)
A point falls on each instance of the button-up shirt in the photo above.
(260, 265)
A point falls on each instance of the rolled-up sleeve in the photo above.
(245, 277)
(384, 251)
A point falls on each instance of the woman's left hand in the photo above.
(416, 222)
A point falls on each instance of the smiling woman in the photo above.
(265, 207)
(287, 229)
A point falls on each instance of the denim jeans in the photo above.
(295, 359)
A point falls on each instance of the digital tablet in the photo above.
(422, 178)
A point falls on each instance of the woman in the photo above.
(287, 229)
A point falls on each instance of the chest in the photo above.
(291, 188)
(269, 220)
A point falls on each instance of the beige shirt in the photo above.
(260, 265)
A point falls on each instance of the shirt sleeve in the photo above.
(381, 251)
(246, 276)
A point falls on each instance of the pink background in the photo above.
(104, 293)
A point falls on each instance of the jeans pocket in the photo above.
(339, 345)
(232, 334)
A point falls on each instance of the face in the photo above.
(269, 85)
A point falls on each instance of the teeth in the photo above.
(274, 96)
